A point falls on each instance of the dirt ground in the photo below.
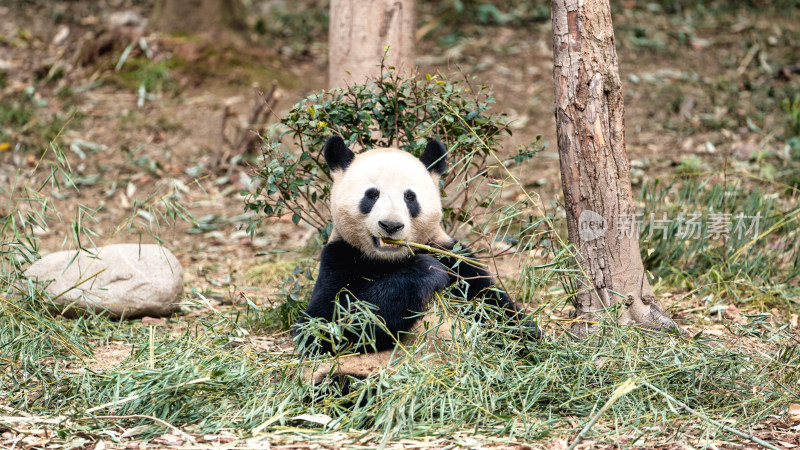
(71, 64)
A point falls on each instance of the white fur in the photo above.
(392, 172)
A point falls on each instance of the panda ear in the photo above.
(337, 155)
(435, 157)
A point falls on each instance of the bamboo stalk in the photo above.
(441, 251)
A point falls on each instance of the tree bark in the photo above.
(595, 172)
(359, 32)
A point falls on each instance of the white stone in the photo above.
(123, 281)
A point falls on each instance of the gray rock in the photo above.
(124, 281)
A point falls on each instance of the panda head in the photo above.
(385, 193)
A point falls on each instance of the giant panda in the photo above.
(387, 193)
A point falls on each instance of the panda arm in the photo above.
(478, 282)
(403, 294)
(336, 271)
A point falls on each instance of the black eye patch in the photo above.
(371, 196)
(412, 203)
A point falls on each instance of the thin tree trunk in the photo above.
(359, 32)
(595, 172)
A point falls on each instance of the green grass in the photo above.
(152, 77)
(14, 115)
(744, 268)
(488, 385)
(24, 127)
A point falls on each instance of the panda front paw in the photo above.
(525, 326)
(434, 275)
(530, 329)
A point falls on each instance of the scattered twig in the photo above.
(688, 409)
(134, 397)
(33, 419)
(627, 386)
(13, 410)
(78, 284)
(245, 136)
(747, 58)
(124, 57)
(143, 416)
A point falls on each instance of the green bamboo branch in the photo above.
(440, 251)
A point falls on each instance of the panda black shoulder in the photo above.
(339, 257)
(338, 269)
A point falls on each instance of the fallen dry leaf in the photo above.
(794, 412)
(146, 320)
(169, 439)
(221, 438)
(320, 419)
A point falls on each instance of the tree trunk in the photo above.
(359, 32)
(595, 172)
(199, 16)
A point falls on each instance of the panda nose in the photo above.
(390, 227)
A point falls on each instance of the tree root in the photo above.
(641, 312)
(647, 313)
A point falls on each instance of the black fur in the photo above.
(435, 157)
(368, 201)
(398, 291)
(336, 153)
(411, 201)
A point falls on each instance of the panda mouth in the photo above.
(383, 245)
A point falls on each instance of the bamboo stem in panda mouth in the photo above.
(440, 251)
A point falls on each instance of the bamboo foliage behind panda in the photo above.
(386, 193)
